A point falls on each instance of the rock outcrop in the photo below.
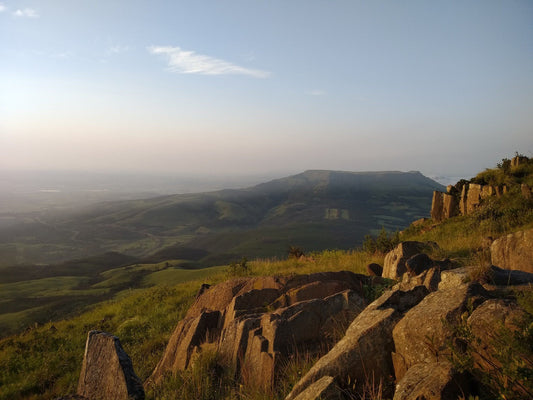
(395, 265)
(256, 323)
(443, 206)
(421, 336)
(365, 350)
(514, 251)
(323, 389)
(431, 381)
(465, 199)
(107, 372)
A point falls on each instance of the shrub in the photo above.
(383, 243)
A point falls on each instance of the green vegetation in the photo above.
(316, 210)
(141, 301)
(383, 243)
(44, 361)
(506, 174)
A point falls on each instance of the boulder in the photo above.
(394, 264)
(450, 206)
(190, 333)
(514, 251)
(431, 381)
(256, 323)
(429, 278)
(365, 350)
(491, 325)
(323, 389)
(418, 263)
(421, 335)
(303, 327)
(473, 199)
(437, 205)
(107, 371)
(374, 269)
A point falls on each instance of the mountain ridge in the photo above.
(272, 215)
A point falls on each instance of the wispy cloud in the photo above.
(188, 62)
(316, 92)
(2, 7)
(26, 13)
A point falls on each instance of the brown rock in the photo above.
(257, 322)
(107, 371)
(418, 263)
(518, 160)
(431, 381)
(437, 206)
(450, 207)
(421, 335)
(464, 200)
(473, 198)
(491, 325)
(394, 264)
(374, 269)
(190, 333)
(365, 349)
(323, 389)
(514, 251)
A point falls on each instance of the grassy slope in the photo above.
(44, 362)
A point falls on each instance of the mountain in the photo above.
(315, 210)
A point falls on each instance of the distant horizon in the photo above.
(243, 88)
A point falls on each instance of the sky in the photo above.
(275, 86)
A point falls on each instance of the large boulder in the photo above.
(421, 336)
(394, 265)
(473, 199)
(443, 206)
(492, 326)
(107, 371)
(365, 350)
(431, 381)
(514, 251)
(256, 323)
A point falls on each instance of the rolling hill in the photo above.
(314, 210)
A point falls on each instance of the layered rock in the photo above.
(470, 197)
(107, 372)
(431, 381)
(255, 323)
(394, 265)
(443, 206)
(421, 335)
(365, 350)
(514, 251)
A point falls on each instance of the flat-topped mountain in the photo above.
(316, 209)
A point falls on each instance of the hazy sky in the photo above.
(244, 86)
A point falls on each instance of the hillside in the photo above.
(45, 361)
(313, 210)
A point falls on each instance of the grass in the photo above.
(44, 362)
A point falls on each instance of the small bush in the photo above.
(240, 268)
(383, 243)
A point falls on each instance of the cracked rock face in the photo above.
(107, 371)
(256, 323)
(366, 348)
